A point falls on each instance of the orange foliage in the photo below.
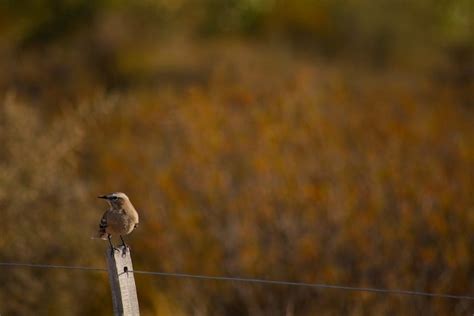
(249, 163)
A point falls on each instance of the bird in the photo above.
(120, 219)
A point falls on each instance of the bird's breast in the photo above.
(120, 223)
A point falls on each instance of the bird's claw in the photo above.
(125, 247)
(113, 249)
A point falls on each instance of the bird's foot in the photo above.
(125, 248)
(113, 249)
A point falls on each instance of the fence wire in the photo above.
(250, 280)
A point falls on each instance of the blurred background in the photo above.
(313, 140)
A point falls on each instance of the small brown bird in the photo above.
(120, 219)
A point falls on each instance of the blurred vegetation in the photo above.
(313, 141)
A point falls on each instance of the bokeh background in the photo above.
(311, 140)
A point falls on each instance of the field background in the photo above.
(314, 141)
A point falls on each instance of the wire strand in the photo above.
(49, 266)
(313, 285)
(251, 280)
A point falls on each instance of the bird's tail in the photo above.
(100, 235)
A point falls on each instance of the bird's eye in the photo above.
(114, 198)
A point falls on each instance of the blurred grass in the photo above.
(315, 141)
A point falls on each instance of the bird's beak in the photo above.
(103, 197)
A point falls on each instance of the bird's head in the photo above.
(116, 199)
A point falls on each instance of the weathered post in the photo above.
(122, 282)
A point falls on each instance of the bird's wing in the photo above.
(102, 226)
